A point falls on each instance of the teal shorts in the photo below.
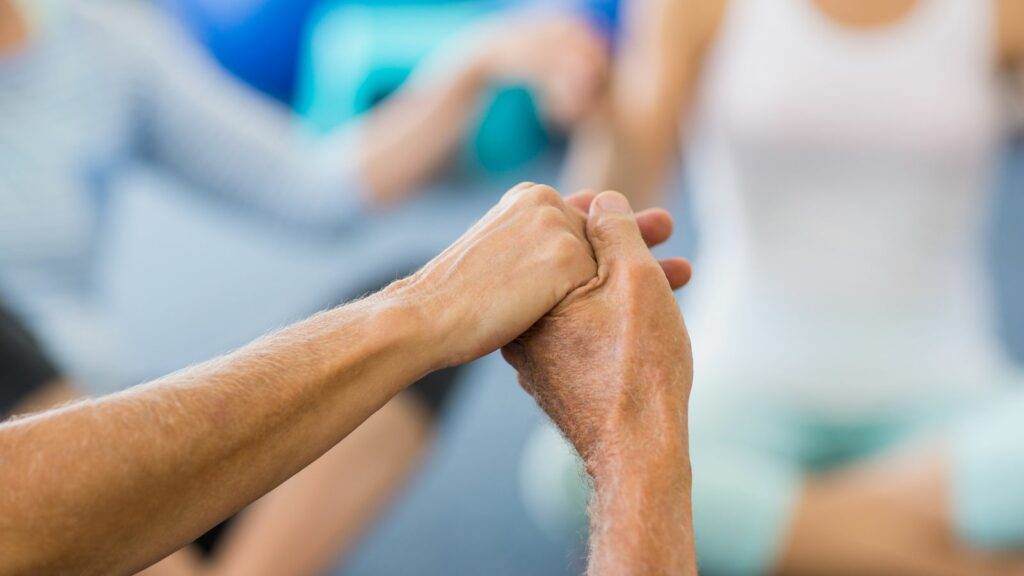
(750, 460)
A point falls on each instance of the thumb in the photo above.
(612, 230)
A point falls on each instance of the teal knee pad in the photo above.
(742, 505)
(987, 457)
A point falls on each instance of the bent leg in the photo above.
(987, 483)
(922, 509)
(747, 478)
(315, 517)
(886, 516)
(742, 505)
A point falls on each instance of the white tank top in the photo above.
(842, 191)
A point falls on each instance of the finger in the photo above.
(678, 271)
(576, 208)
(655, 226)
(613, 232)
(581, 200)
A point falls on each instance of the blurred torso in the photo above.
(66, 106)
(842, 185)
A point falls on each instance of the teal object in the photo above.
(356, 55)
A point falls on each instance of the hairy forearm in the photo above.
(641, 515)
(148, 470)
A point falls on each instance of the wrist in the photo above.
(661, 454)
(649, 433)
(429, 324)
(483, 48)
(406, 329)
(641, 512)
(468, 61)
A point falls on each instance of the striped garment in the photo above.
(107, 85)
(110, 82)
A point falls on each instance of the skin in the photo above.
(559, 57)
(632, 144)
(303, 513)
(49, 396)
(564, 62)
(140, 465)
(895, 521)
(611, 366)
(317, 514)
(13, 28)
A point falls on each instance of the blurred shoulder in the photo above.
(1011, 31)
(130, 26)
(699, 19)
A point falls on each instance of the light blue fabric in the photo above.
(750, 458)
(108, 86)
(256, 40)
(988, 476)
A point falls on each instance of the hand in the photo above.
(611, 364)
(558, 55)
(520, 260)
(512, 267)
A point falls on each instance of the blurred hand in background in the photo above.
(560, 55)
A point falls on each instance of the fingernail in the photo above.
(616, 203)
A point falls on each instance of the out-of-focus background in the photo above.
(183, 275)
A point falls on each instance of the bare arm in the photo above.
(1011, 52)
(137, 471)
(612, 368)
(213, 131)
(410, 137)
(641, 518)
(112, 485)
(306, 524)
(1011, 32)
(632, 143)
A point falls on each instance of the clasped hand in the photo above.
(569, 291)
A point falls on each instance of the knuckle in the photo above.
(550, 219)
(565, 248)
(512, 193)
(542, 195)
(566, 253)
(641, 271)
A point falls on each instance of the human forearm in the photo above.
(616, 151)
(641, 516)
(313, 520)
(134, 479)
(409, 138)
(112, 485)
(611, 366)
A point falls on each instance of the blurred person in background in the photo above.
(90, 87)
(854, 411)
